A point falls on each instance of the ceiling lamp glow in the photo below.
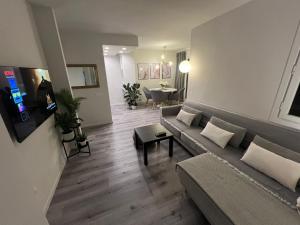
(163, 58)
(185, 66)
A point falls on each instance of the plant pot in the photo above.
(82, 143)
(68, 135)
(133, 107)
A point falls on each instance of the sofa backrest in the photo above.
(285, 136)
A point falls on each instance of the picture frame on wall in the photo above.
(143, 71)
(155, 71)
(166, 71)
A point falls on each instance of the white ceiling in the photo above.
(155, 22)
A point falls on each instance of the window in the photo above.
(290, 105)
(295, 108)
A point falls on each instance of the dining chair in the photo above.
(176, 95)
(147, 94)
(158, 97)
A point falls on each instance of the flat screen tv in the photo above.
(26, 99)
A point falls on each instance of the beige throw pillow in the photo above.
(185, 117)
(285, 171)
(217, 135)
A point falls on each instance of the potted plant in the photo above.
(68, 103)
(163, 84)
(64, 121)
(81, 139)
(131, 94)
(66, 118)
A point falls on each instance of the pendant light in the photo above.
(185, 66)
(163, 57)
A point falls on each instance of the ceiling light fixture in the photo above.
(120, 52)
(124, 49)
(163, 57)
(106, 48)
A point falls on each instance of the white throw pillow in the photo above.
(216, 134)
(185, 117)
(285, 171)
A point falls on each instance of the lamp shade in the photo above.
(185, 66)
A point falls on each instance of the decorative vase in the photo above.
(68, 135)
(133, 107)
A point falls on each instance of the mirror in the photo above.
(83, 75)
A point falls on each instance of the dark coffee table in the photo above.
(146, 136)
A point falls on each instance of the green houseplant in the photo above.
(81, 139)
(66, 117)
(131, 94)
(64, 121)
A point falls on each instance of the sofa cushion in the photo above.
(188, 137)
(173, 125)
(277, 149)
(233, 155)
(185, 117)
(217, 135)
(198, 113)
(267, 162)
(239, 132)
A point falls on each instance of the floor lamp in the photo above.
(185, 68)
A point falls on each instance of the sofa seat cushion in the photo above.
(233, 156)
(173, 125)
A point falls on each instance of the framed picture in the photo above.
(143, 71)
(155, 71)
(166, 71)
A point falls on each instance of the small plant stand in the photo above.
(79, 146)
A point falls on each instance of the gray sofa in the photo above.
(196, 144)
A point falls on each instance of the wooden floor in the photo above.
(112, 186)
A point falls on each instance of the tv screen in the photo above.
(26, 99)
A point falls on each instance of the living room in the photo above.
(228, 153)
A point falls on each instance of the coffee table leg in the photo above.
(171, 146)
(145, 155)
(136, 140)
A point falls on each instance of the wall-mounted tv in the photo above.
(26, 99)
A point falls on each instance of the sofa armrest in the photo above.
(170, 110)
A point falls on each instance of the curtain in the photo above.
(180, 77)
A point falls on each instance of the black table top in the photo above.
(147, 133)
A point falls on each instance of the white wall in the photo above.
(238, 59)
(50, 38)
(86, 48)
(29, 171)
(114, 79)
(128, 68)
(152, 56)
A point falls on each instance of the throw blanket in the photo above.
(242, 200)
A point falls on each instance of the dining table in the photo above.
(167, 90)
